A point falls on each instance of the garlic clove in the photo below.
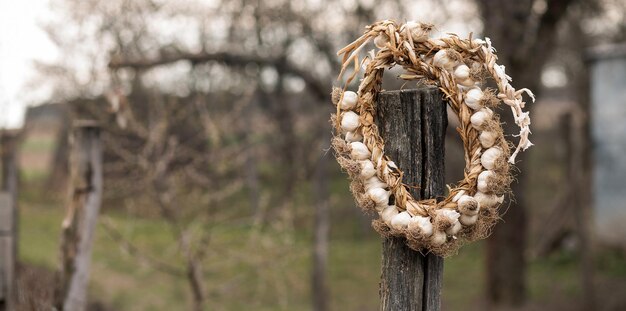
(349, 100)
(380, 196)
(487, 200)
(418, 33)
(454, 229)
(468, 205)
(374, 182)
(381, 40)
(468, 220)
(422, 224)
(449, 214)
(367, 169)
(388, 213)
(483, 181)
(349, 121)
(442, 60)
(487, 138)
(461, 72)
(490, 156)
(359, 151)
(438, 238)
(473, 97)
(400, 221)
(480, 117)
(353, 136)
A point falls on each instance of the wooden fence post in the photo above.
(7, 255)
(8, 220)
(85, 195)
(413, 124)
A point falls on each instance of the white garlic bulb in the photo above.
(468, 220)
(381, 40)
(442, 60)
(480, 117)
(359, 151)
(468, 205)
(483, 181)
(400, 221)
(349, 121)
(488, 200)
(461, 72)
(388, 213)
(418, 34)
(452, 215)
(349, 100)
(490, 156)
(374, 182)
(487, 138)
(422, 224)
(380, 196)
(438, 238)
(473, 97)
(455, 228)
(367, 169)
(353, 136)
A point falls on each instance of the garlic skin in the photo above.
(418, 34)
(442, 60)
(483, 181)
(349, 100)
(488, 200)
(487, 138)
(349, 121)
(400, 221)
(480, 117)
(381, 40)
(489, 157)
(438, 238)
(468, 220)
(461, 72)
(388, 213)
(380, 196)
(473, 97)
(455, 228)
(374, 182)
(367, 169)
(359, 151)
(353, 136)
(422, 224)
(452, 215)
(468, 205)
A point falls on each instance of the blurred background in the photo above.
(219, 189)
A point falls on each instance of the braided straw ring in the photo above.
(458, 67)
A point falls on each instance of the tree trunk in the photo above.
(524, 42)
(413, 123)
(321, 229)
(85, 195)
(9, 219)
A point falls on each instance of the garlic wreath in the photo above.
(458, 67)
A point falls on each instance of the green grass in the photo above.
(268, 270)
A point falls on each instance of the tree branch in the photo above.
(318, 88)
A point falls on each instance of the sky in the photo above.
(21, 42)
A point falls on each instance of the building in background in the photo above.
(608, 104)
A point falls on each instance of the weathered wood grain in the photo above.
(413, 124)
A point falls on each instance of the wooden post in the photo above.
(85, 195)
(7, 254)
(8, 220)
(413, 124)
